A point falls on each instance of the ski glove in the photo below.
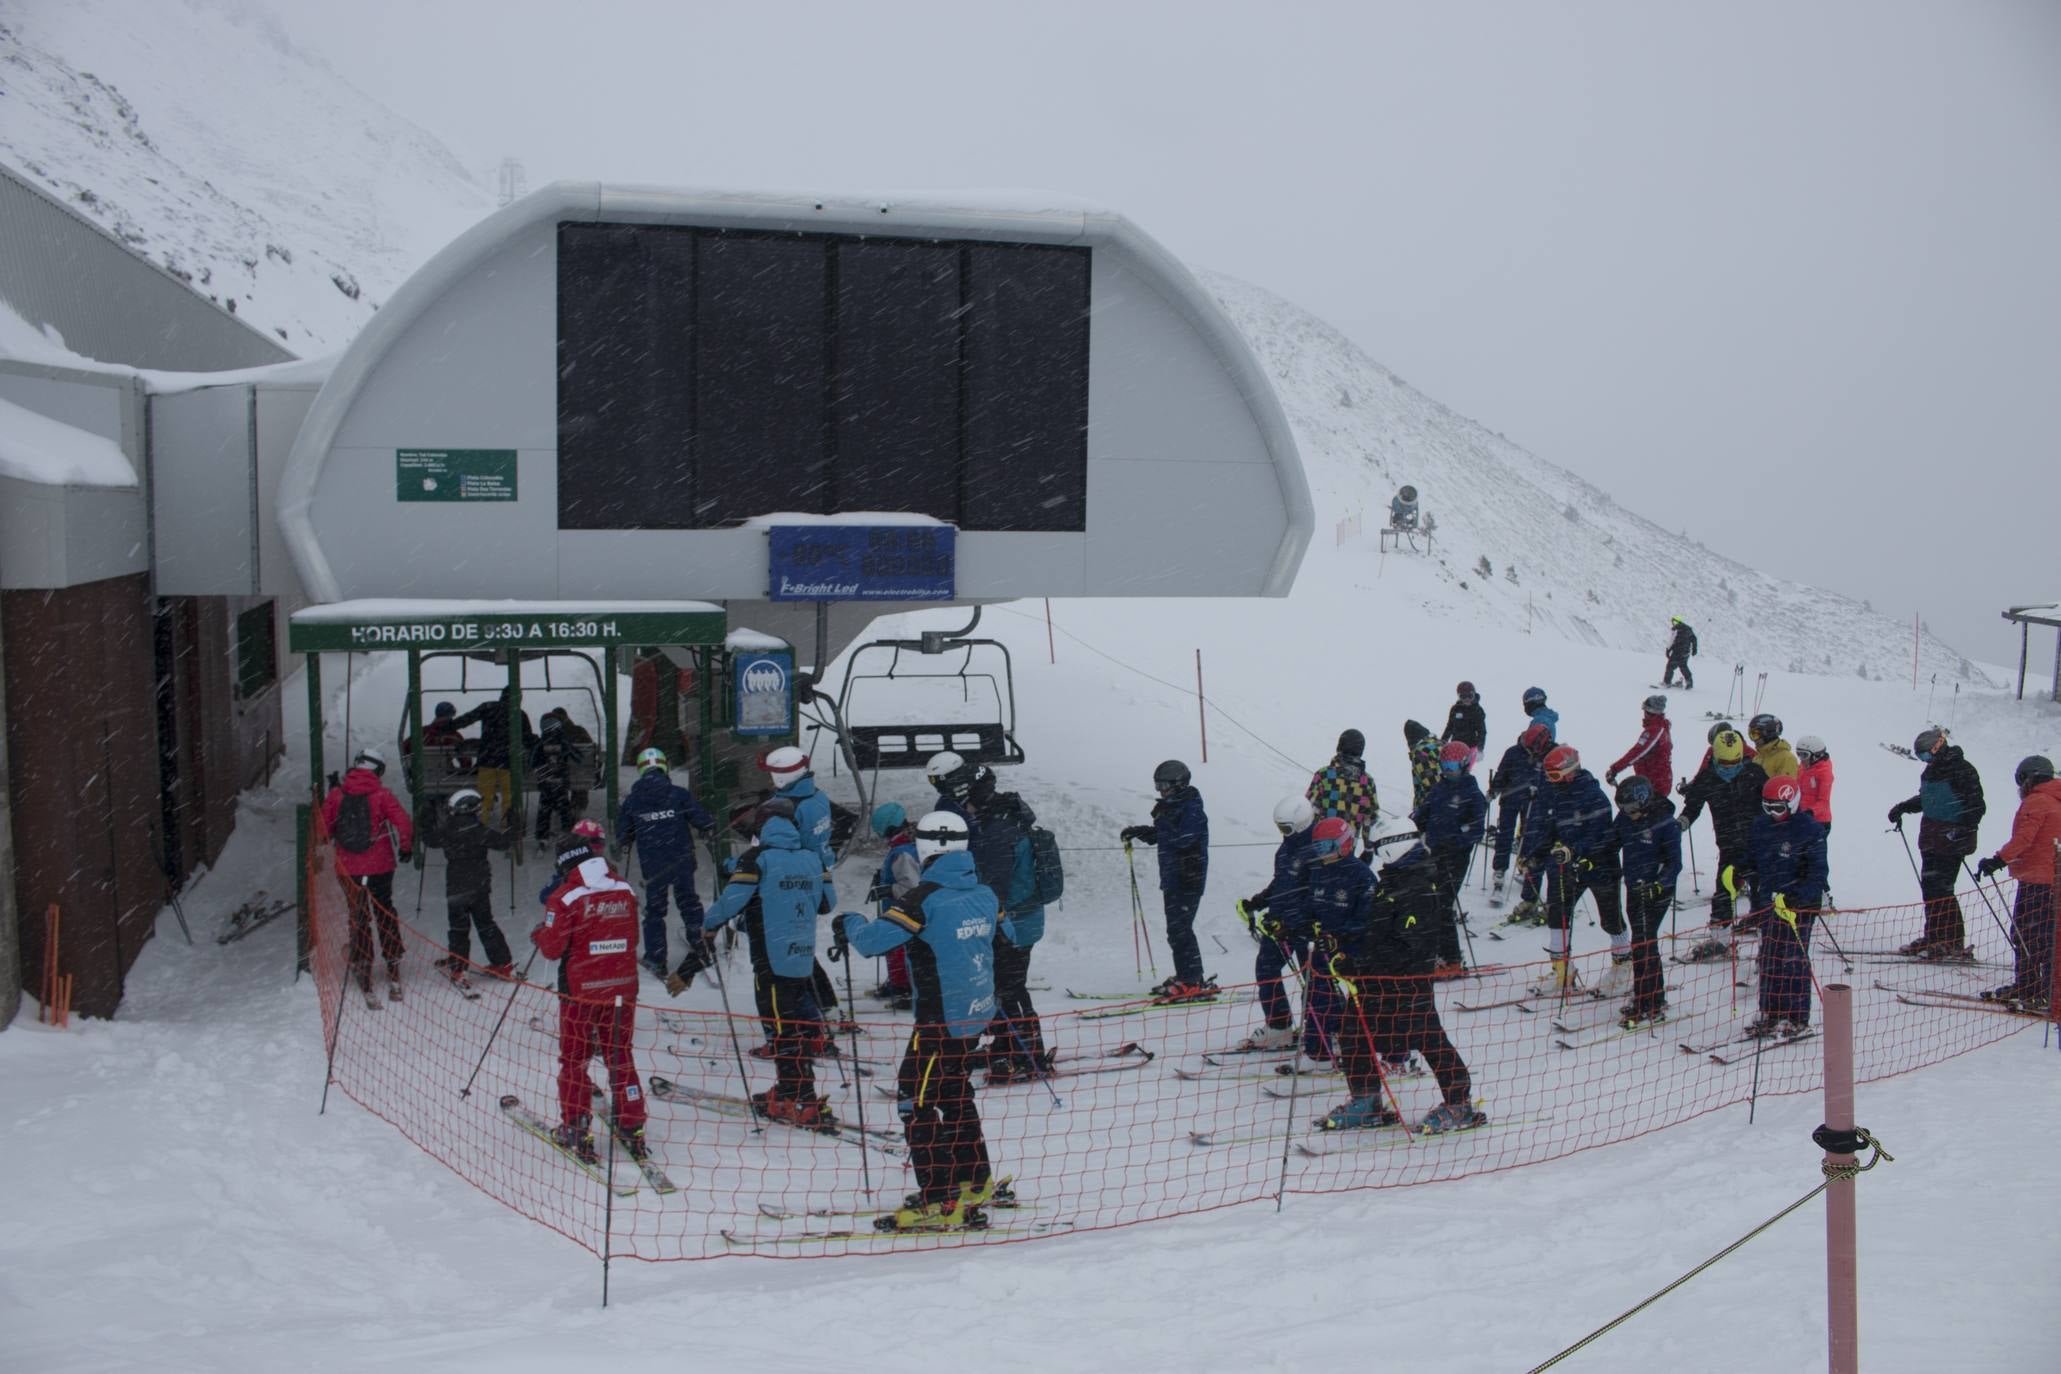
(1137, 832)
(1263, 926)
(1560, 854)
(1989, 867)
(1899, 811)
(1342, 978)
(1654, 891)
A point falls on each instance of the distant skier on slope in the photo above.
(1681, 647)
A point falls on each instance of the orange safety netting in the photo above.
(1153, 1117)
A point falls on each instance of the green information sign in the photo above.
(454, 474)
(516, 627)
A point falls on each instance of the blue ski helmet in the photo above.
(889, 817)
(1534, 696)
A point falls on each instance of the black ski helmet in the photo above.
(1170, 776)
(1930, 741)
(1534, 697)
(1765, 727)
(1634, 794)
(2033, 770)
(573, 850)
(1352, 744)
(980, 785)
(768, 809)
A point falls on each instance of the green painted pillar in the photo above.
(315, 769)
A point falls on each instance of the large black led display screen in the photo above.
(707, 376)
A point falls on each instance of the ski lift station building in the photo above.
(714, 412)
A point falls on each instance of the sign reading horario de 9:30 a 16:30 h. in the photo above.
(861, 562)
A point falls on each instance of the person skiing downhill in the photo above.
(1344, 788)
(1950, 800)
(1452, 818)
(590, 927)
(947, 922)
(372, 833)
(1652, 755)
(659, 819)
(1465, 720)
(1730, 784)
(1681, 647)
(1180, 829)
(1278, 917)
(2029, 854)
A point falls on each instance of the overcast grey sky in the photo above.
(1786, 275)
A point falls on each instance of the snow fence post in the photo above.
(1842, 1311)
(1201, 709)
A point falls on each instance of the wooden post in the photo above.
(1052, 652)
(1201, 710)
(1914, 651)
(1842, 1308)
(2025, 647)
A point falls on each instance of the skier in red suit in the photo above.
(591, 927)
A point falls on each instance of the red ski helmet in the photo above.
(1537, 740)
(1778, 798)
(1331, 836)
(1562, 764)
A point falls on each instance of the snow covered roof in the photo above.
(375, 609)
(36, 448)
(2038, 612)
(25, 342)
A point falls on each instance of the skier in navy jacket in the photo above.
(947, 922)
(1181, 830)
(1650, 841)
(659, 818)
(1572, 831)
(1278, 917)
(1789, 884)
(1000, 826)
(1452, 819)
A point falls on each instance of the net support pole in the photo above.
(1842, 1307)
(1201, 707)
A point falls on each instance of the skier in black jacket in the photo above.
(1950, 799)
(469, 886)
(493, 719)
(1466, 721)
(1680, 649)
(1729, 783)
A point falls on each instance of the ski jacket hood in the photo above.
(952, 870)
(779, 833)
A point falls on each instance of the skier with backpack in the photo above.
(1180, 829)
(1652, 755)
(1681, 647)
(659, 819)
(1951, 802)
(373, 835)
(1452, 818)
(467, 842)
(1000, 826)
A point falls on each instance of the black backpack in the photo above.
(353, 830)
(1047, 869)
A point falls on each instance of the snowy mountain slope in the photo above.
(197, 134)
(1585, 567)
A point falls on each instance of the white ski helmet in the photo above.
(650, 759)
(1292, 815)
(1810, 747)
(1392, 831)
(786, 764)
(371, 758)
(939, 832)
(464, 801)
(941, 767)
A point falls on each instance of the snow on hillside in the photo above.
(1564, 558)
(197, 134)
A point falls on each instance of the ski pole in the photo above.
(1043, 1076)
(842, 953)
(1138, 910)
(1459, 916)
(507, 1007)
(1374, 1054)
(1825, 925)
(2009, 938)
(1295, 1074)
(1695, 875)
(736, 1049)
(1899, 829)
(1137, 915)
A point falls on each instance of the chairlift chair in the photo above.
(989, 739)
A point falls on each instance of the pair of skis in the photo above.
(880, 1138)
(1738, 1049)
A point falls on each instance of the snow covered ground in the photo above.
(184, 1172)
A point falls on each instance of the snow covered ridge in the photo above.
(1524, 544)
(194, 132)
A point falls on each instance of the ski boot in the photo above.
(1771, 1027)
(919, 1216)
(633, 1144)
(576, 1141)
(760, 1051)
(1617, 979)
(809, 1113)
(1014, 1068)
(1558, 980)
(655, 965)
(1177, 991)
(1360, 1114)
(1527, 913)
(505, 972)
(1634, 1017)
(1450, 1117)
(1268, 1038)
